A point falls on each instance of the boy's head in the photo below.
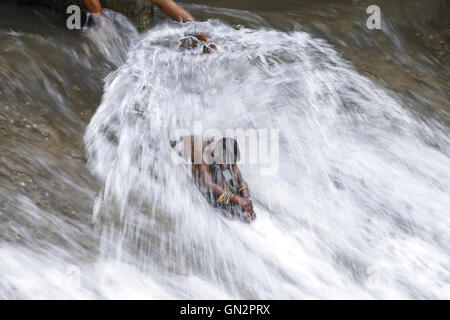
(226, 152)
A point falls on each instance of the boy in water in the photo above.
(215, 170)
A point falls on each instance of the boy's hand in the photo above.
(250, 214)
(247, 207)
(243, 202)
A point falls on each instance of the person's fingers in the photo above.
(249, 215)
(252, 213)
(203, 36)
(209, 48)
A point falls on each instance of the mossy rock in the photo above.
(140, 12)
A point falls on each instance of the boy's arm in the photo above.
(244, 193)
(94, 6)
(204, 175)
(204, 178)
(243, 186)
(169, 7)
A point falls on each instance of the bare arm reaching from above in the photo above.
(173, 10)
(169, 7)
(94, 6)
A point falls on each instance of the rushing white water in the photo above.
(357, 209)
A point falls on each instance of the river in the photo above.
(92, 205)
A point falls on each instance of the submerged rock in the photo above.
(140, 12)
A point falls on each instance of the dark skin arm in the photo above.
(204, 179)
(246, 192)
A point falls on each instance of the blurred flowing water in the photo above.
(92, 205)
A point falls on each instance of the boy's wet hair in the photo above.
(226, 151)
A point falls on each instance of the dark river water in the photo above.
(91, 205)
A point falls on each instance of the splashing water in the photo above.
(358, 208)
